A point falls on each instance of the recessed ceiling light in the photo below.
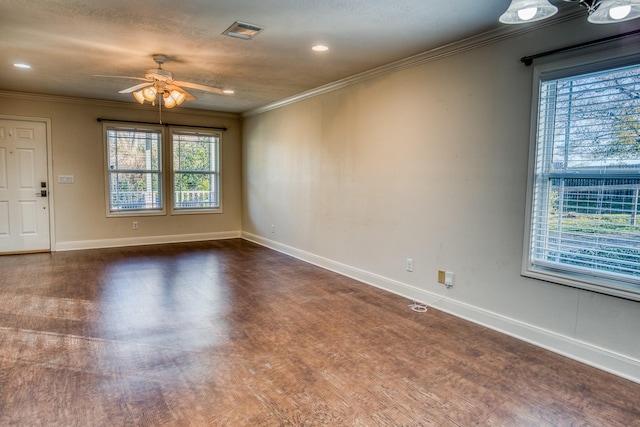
(229, 91)
(20, 65)
(320, 48)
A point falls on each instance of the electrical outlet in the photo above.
(409, 266)
(135, 225)
(441, 276)
(273, 228)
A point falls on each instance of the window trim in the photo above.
(613, 58)
(107, 195)
(171, 188)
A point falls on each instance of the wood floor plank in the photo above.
(228, 333)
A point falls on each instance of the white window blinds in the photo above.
(587, 178)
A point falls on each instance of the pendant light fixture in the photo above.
(600, 11)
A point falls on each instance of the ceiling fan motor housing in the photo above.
(159, 74)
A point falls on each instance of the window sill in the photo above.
(614, 288)
(196, 211)
(118, 214)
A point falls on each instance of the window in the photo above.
(584, 228)
(196, 170)
(136, 183)
(134, 170)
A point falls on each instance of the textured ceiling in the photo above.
(68, 42)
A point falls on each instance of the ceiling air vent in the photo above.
(242, 30)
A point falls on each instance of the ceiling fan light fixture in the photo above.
(522, 11)
(168, 100)
(138, 96)
(149, 93)
(228, 91)
(178, 96)
(610, 11)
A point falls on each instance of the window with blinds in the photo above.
(134, 170)
(196, 170)
(584, 228)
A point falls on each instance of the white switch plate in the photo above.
(66, 179)
(409, 266)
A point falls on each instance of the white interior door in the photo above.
(24, 190)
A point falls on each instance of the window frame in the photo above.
(599, 61)
(172, 130)
(106, 127)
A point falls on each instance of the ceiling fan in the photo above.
(159, 86)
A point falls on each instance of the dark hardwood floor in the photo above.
(229, 333)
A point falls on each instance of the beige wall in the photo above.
(429, 163)
(77, 147)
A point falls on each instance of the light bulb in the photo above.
(527, 13)
(620, 12)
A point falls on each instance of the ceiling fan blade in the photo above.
(135, 88)
(199, 87)
(188, 97)
(122, 77)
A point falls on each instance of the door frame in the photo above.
(50, 187)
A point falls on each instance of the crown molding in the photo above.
(489, 37)
(105, 103)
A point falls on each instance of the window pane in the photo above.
(193, 153)
(593, 121)
(590, 225)
(586, 185)
(194, 191)
(135, 191)
(129, 150)
(195, 170)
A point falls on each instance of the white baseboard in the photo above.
(146, 240)
(589, 354)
